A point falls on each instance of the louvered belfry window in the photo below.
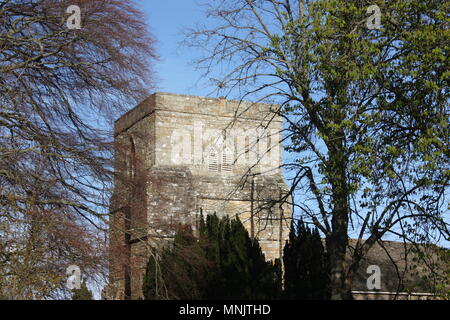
(220, 160)
(213, 160)
(227, 160)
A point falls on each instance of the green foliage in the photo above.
(438, 277)
(306, 266)
(83, 293)
(223, 263)
(178, 272)
(240, 270)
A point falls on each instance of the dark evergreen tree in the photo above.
(240, 270)
(82, 294)
(223, 263)
(306, 266)
(179, 270)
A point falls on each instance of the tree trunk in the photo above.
(340, 287)
(337, 241)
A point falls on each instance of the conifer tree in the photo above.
(179, 270)
(240, 269)
(306, 267)
(223, 263)
(83, 293)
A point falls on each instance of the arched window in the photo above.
(218, 159)
(227, 160)
(132, 160)
(213, 159)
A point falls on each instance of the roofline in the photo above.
(394, 293)
(162, 93)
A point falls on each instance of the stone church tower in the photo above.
(179, 156)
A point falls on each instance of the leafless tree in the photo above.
(60, 88)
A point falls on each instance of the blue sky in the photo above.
(167, 20)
